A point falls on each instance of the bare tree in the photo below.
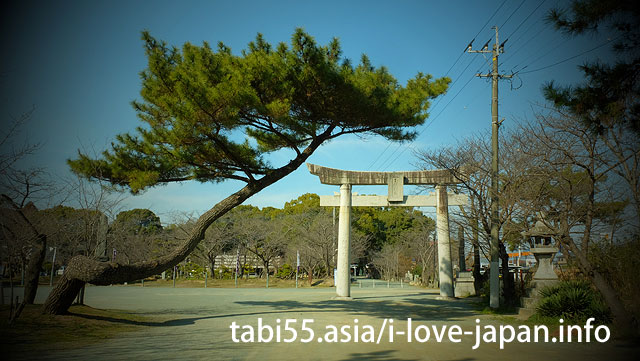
(393, 260)
(135, 234)
(624, 149)
(315, 231)
(470, 161)
(219, 239)
(17, 226)
(570, 172)
(420, 244)
(22, 236)
(264, 238)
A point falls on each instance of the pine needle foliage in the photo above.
(210, 115)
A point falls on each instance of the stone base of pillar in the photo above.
(342, 298)
(445, 298)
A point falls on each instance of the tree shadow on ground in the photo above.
(386, 355)
(177, 321)
(417, 306)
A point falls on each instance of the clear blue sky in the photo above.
(77, 63)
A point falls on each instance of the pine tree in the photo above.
(609, 97)
(211, 116)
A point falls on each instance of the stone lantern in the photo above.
(543, 250)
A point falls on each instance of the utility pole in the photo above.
(494, 281)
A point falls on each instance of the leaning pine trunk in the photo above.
(83, 270)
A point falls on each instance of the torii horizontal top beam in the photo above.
(338, 176)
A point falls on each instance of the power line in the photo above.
(545, 54)
(514, 11)
(387, 162)
(524, 43)
(450, 68)
(567, 59)
(488, 20)
(434, 107)
(389, 159)
(527, 18)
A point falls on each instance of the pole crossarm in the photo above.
(382, 201)
(489, 75)
(338, 176)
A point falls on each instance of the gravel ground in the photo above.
(194, 323)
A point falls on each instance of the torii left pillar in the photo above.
(343, 277)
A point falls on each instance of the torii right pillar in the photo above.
(445, 268)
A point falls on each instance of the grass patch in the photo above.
(481, 306)
(34, 333)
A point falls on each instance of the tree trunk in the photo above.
(64, 293)
(625, 323)
(212, 262)
(310, 275)
(507, 279)
(86, 270)
(327, 262)
(461, 254)
(242, 269)
(80, 298)
(586, 235)
(33, 269)
(38, 253)
(477, 277)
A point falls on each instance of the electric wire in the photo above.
(525, 19)
(522, 45)
(387, 163)
(567, 59)
(544, 55)
(491, 17)
(433, 107)
(450, 68)
(514, 11)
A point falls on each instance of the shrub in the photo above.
(223, 272)
(286, 271)
(573, 300)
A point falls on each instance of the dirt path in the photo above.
(196, 325)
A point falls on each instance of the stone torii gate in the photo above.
(395, 181)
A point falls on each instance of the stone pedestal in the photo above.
(464, 285)
(544, 257)
(545, 276)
